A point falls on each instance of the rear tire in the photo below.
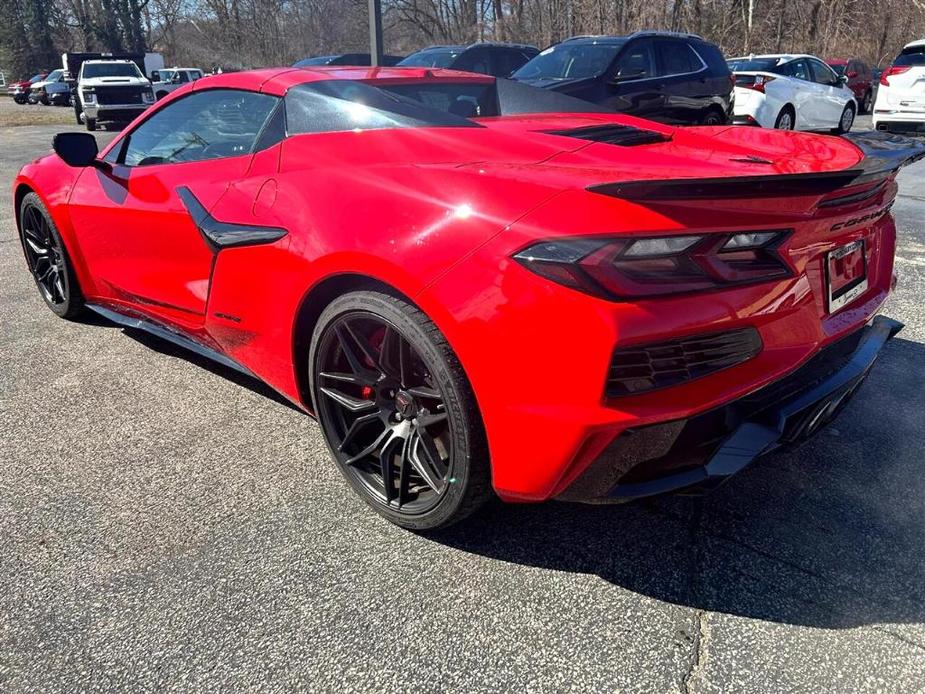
(713, 116)
(786, 119)
(48, 259)
(91, 124)
(867, 102)
(397, 411)
(846, 120)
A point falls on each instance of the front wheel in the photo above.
(867, 102)
(48, 260)
(846, 120)
(397, 411)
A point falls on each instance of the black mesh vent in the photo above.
(642, 368)
(613, 134)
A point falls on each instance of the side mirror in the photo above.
(842, 81)
(76, 149)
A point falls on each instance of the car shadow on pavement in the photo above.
(827, 535)
(169, 349)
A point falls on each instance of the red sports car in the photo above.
(473, 284)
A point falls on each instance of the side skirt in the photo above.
(138, 323)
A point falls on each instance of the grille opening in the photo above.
(642, 368)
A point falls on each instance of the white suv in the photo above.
(900, 105)
(111, 90)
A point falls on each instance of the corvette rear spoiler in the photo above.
(884, 155)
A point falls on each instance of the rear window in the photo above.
(341, 105)
(752, 64)
(911, 56)
(677, 58)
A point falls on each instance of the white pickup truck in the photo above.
(111, 91)
(172, 78)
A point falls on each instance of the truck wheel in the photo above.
(77, 110)
(91, 124)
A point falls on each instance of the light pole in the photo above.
(375, 32)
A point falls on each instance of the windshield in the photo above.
(53, 76)
(839, 69)
(36, 78)
(911, 56)
(430, 59)
(91, 70)
(570, 61)
(752, 64)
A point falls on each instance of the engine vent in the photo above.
(640, 368)
(613, 134)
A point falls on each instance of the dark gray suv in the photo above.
(664, 76)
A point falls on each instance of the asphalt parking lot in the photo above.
(165, 523)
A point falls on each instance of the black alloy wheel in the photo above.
(396, 411)
(48, 260)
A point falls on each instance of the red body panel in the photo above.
(437, 214)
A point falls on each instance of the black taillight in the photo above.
(637, 267)
(639, 368)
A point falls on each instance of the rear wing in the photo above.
(884, 155)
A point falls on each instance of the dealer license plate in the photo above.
(846, 274)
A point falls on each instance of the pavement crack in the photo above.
(696, 673)
(899, 637)
(695, 676)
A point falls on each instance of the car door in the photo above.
(833, 94)
(803, 93)
(139, 240)
(634, 84)
(684, 81)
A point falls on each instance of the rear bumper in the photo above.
(900, 122)
(698, 453)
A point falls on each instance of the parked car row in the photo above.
(670, 77)
(675, 78)
(104, 87)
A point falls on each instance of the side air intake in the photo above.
(613, 134)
